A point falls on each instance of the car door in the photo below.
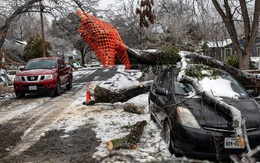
(159, 101)
(62, 71)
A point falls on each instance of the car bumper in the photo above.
(209, 144)
(35, 87)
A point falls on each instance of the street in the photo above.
(39, 128)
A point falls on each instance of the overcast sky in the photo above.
(105, 3)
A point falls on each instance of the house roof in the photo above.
(223, 43)
(219, 43)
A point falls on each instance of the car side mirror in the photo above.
(161, 91)
(21, 68)
(62, 66)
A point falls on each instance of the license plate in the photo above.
(231, 143)
(32, 88)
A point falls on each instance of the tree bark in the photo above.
(104, 95)
(130, 140)
(132, 108)
(143, 56)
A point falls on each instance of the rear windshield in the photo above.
(40, 64)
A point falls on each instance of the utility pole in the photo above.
(42, 27)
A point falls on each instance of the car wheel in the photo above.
(167, 136)
(69, 85)
(19, 94)
(57, 90)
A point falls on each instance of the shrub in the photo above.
(169, 56)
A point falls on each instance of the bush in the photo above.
(233, 61)
(169, 56)
(33, 49)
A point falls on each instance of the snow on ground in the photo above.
(111, 121)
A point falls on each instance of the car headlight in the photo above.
(186, 118)
(17, 78)
(48, 77)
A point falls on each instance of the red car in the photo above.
(46, 74)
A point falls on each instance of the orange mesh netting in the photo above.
(103, 40)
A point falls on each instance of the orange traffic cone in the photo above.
(88, 97)
(88, 93)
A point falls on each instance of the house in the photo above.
(70, 55)
(221, 50)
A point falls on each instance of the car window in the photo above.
(61, 63)
(166, 81)
(182, 88)
(236, 87)
(223, 85)
(159, 79)
(40, 64)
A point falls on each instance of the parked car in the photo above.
(255, 62)
(194, 127)
(46, 74)
(5, 79)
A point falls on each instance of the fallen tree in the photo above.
(130, 140)
(248, 80)
(239, 127)
(105, 95)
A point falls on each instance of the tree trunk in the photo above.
(132, 108)
(104, 95)
(130, 140)
(143, 57)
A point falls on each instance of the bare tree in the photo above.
(122, 16)
(233, 12)
(179, 26)
(12, 10)
(9, 14)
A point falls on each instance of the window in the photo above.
(166, 81)
(258, 51)
(227, 53)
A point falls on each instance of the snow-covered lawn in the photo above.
(111, 120)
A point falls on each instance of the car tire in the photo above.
(69, 85)
(57, 90)
(167, 136)
(19, 94)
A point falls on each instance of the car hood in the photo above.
(36, 72)
(211, 116)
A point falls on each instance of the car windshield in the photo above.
(40, 64)
(222, 85)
